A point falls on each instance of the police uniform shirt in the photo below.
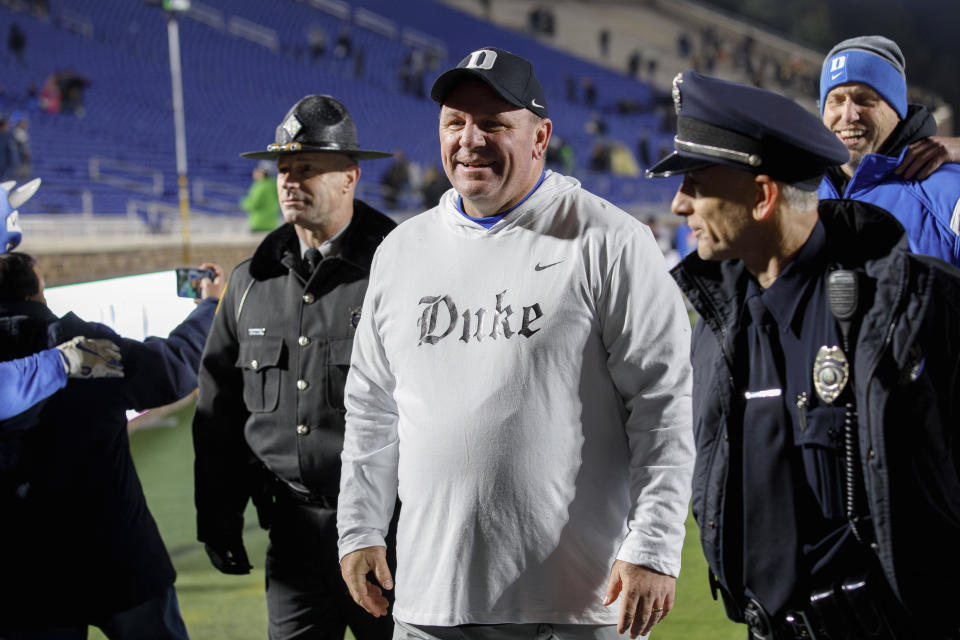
(330, 247)
(813, 449)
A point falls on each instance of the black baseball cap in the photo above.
(506, 73)
(750, 129)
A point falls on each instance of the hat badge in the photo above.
(675, 92)
(292, 126)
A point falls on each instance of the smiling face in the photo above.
(492, 151)
(860, 118)
(316, 190)
(717, 202)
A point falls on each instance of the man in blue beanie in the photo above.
(863, 100)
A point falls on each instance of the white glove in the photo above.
(87, 358)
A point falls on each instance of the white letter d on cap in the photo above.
(482, 59)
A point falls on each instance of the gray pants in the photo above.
(529, 631)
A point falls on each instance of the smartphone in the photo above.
(188, 281)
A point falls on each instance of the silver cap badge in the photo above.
(292, 126)
(675, 92)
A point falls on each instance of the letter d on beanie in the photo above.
(871, 60)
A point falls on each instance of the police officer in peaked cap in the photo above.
(825, 388)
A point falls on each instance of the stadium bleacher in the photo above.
(244, 63)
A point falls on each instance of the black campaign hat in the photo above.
(508, 74)
(316, 124)
(750, 129)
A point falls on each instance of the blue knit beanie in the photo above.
(871, 60)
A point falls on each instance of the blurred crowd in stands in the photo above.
(412, 73)
(62, 91)
(343, 48)
(615, 129)
(788, 73)
(15, 160)
(703, 50)
(407, 185)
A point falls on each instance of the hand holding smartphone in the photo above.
(188, 281)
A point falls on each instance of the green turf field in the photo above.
(220, 607)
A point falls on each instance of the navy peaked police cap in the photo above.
(750, 129)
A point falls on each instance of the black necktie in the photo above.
(312, 259)
(770, 529)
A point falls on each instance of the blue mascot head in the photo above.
(10, 200)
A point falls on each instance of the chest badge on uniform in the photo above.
(831, 370)
(355, 317)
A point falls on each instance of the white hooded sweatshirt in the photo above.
(526, 389)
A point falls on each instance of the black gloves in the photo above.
(229, 558)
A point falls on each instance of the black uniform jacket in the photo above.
(77, 541)
(273, 372)
(907, 384)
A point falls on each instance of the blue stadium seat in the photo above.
(235, 91)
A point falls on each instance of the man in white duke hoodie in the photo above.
(521, 377)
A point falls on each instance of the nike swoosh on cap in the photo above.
(534, 103)
(836, 75)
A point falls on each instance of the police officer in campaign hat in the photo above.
(825, 388)
(269, 419)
